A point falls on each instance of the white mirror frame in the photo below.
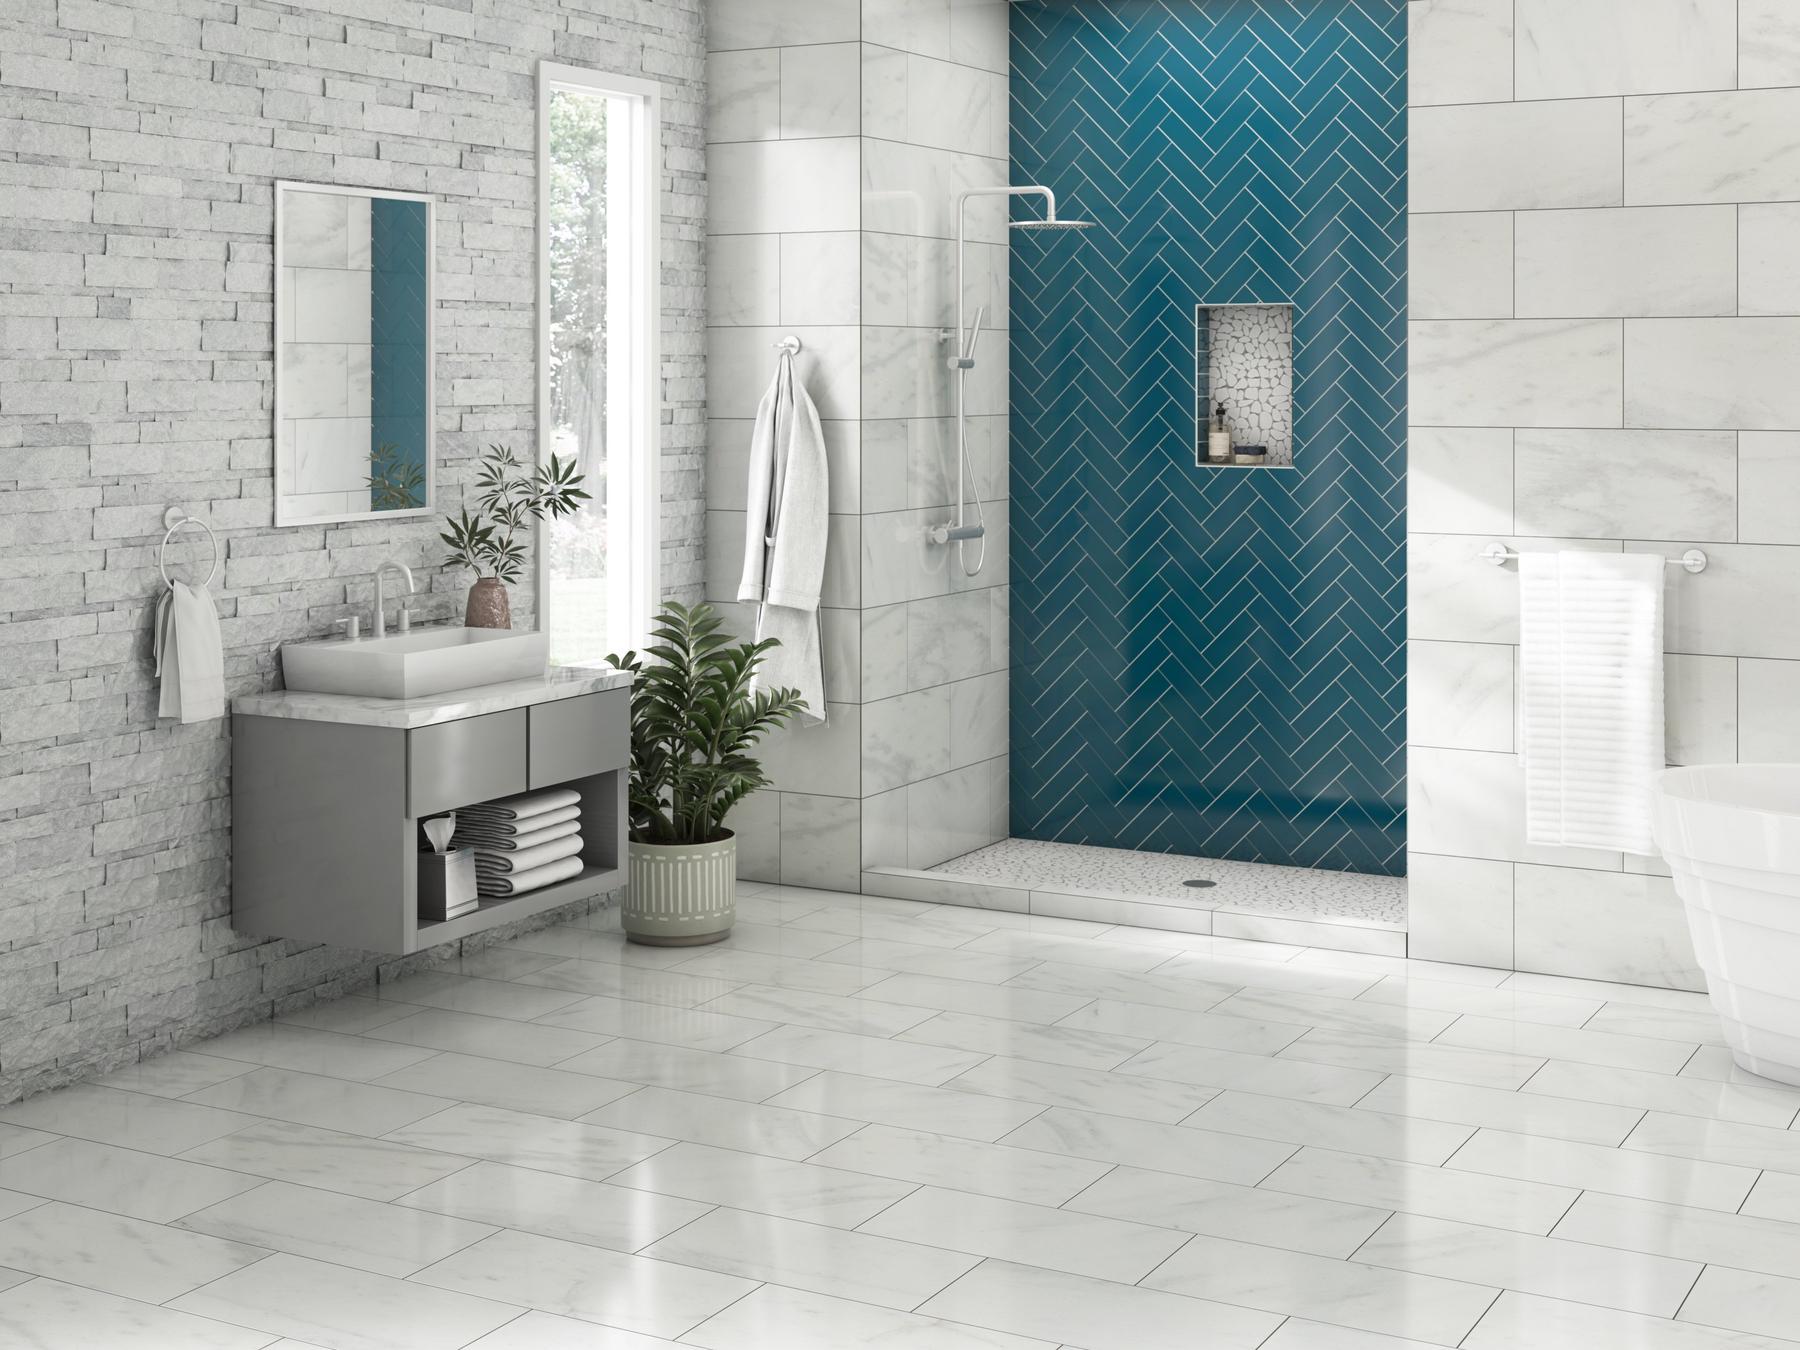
(282, 188)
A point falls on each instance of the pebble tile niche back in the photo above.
(1244, 363)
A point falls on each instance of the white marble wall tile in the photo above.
(757, 822)
(1769, 485)
(315, 380)
(1732, 617)
(903, 376)
(1768, 43)
(1733, 146)
(899, 563)
(1471, 804)
(1459, 51)
(1606, 925)
(331, 454)
(821, 841)
(1648, 260)
(980, 33)
(781, 23)
(762, 187)
(954, 637)
(1459, 909)
(884, 829)
(1460, 263)
(1630, 484)
(1579, 48)
(740, 364)
(911, 189)
(978, 715)
(884, 92)
(821, 90)
(1517, 372)
(1769, 257)
(1456, 595)
(1460, 695)
(921, 26)
(1460, 480)
(1700, 696)
(947, 815)
(1712, 373)
(821, 278)
(825, 759)
(949, 106)
(331, 305)
(743, 279)
(905, 739)
(884, 671)
(1768, 711)
(743, 95)
(1515, 156)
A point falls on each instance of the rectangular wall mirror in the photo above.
(353, 353)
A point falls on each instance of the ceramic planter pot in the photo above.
(489, 606)
(681, 895)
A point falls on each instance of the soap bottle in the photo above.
(1218, 438)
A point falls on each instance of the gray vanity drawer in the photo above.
(575, 737)
(472, 760)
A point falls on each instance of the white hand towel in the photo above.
(1591, 696)
(517, 883)
(785, 537)
(508, 842)
(542, 821)
(522, 807)
(527, 858)
(190, 657)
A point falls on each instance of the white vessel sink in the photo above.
(414, 665)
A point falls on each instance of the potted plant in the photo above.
(694, 722)
(509, 494)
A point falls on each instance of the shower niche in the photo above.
(1244, 360)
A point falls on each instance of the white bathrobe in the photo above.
(784, 538)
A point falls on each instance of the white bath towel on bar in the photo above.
(1591, 696)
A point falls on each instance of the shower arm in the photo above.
(958, 361)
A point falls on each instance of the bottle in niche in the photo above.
(1218, 438)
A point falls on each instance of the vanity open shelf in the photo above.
(328, 790)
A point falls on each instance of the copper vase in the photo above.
(488, 605)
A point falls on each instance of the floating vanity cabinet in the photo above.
(327, 791)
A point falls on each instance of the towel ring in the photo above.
(175, 518)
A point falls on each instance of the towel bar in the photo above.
(1693, 560)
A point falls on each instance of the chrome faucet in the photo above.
(380, 612)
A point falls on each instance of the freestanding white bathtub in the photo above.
(1731, 834)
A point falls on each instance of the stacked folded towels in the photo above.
(523, 843)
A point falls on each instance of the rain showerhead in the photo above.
(1052, 224)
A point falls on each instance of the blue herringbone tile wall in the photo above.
(1210, 661)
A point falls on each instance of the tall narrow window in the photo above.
(598, 219)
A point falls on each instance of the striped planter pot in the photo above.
(681, 895)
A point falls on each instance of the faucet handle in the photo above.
(352, 626)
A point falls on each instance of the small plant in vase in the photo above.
(509, 495)
(694, 722)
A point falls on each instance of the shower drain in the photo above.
(1199, 883)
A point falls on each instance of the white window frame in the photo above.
(634, 345)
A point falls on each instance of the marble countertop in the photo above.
(408, 714)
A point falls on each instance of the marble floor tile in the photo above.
(52, 1315)
(655, 1298)
(638, 984)
(308, 1050)
(17, 1139)
(1346, 1293)
(1320, 1010)
(1298, 1334)
(546, 1331)
(343, 1308)
(351, 1015)
(276, 1150)
(1298, 1221)
(132, 1258)
(1023, 1040)
(1380, 968)
(1085, 1089)
(1614, 1171)
(520, 1139)
(312, 1099)
(857, 1265)
(746, 1126)
(128, 1119)
(664, 1023)
(1354, 1129)
(1158, 990)
(956, 994)
(174, 1075)
(1707, 1236)
(1300, 1079)
(1289, 977)
(666, 1066)
(570, 1208)
(1518, 1320)
(1636, 995)
(500, 963)
(1097, 1314)
(970, 1165)
(517, 1087)
(1412, 1188)
(538, 1043)
(347, 1230)
(823, 977)
(1181, 1149)
(788, 1190)
(1079, 1243)
(1696, 1026)
(1072, 951)
(120, 1180)
(966, 1115)
(1183, 1028)
(944, 963)
(1532, 1264)
(1772, 1105)
(1519, 1004)
(520, 999)
(785, 939)
(1382, 1054)
(828, 1012)
(870, 1056)
(1766, 1305)
(1776, 1195)
(774, 1318)
(1519, 1112)
(1605, 1048)
(1717, 1141)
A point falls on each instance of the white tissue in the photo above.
(439, 829)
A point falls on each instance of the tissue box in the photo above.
(447, 884)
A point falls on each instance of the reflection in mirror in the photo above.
(353, 353)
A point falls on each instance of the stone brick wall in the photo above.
(138, 144)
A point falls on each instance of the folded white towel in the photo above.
(1591, 696)
(190, 657)
(511, 843)
(523, 806)
(526, 859)
(517, 883)
(467, 824)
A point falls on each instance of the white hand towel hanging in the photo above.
(1591, 696)
(190, 657)
(785, 530)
